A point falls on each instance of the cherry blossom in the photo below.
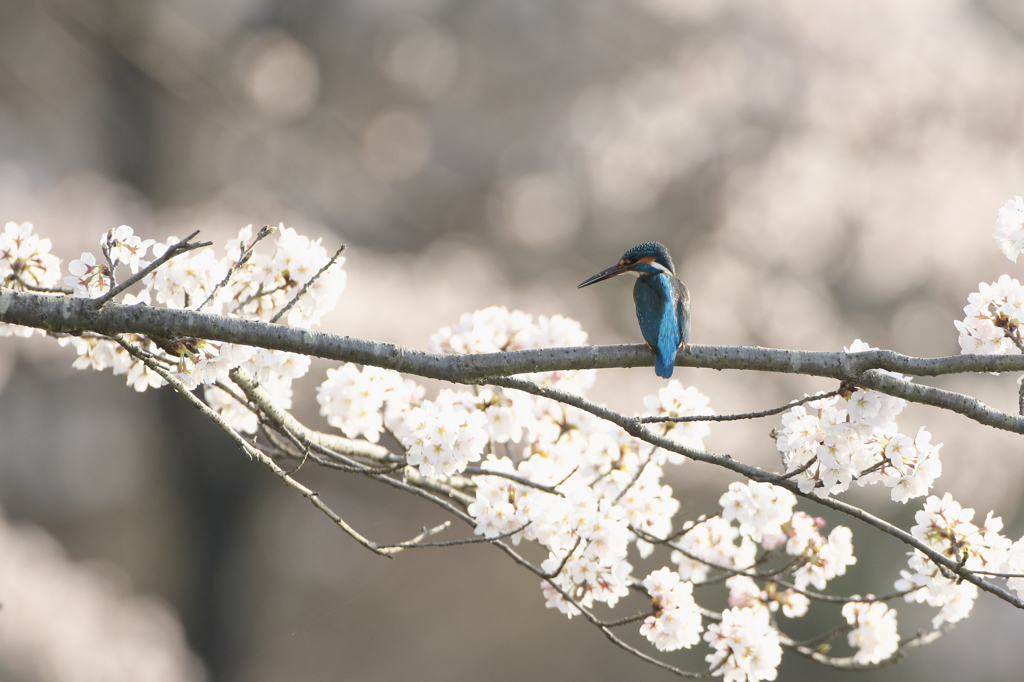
(1009, 234)
(676, 622)
(874, 636)
(747, 647)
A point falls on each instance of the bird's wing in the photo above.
(682, 299)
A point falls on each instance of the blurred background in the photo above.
(820, 172)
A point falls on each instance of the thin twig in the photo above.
(853, 599)
(331, 462)
(464, 541)
(246, 251)
(252, 450)
(105, 247)
(850, 663)
(565, 559)
(294, 469)
(800, 469)
(818, 640)
(745, 415)
(730, 571)
(632, 482)
(415, 542)
(323, 456)
(996, 575)
(307, 285)
(41, 290)
(592, 619)
(172, 251)
(260, 293)
(630, 426)
(647, 537)
(480, 471)
(625, 621)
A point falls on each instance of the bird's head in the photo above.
(645, 259)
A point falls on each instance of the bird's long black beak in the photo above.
(605, 274)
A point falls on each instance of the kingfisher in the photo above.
(662, 301)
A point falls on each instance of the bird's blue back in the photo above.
(663, 311)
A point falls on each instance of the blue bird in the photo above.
(662, 301)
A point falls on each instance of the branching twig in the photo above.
(625, 621)
(850, 663)
(307, 285)
(800, 469)
(630, 426)
(632, 482)
(416, 541)
(480, 471)
(745, 415)
(172, 251)
(591, 618)
(252, 450)
(818, 640)
(243, 258)
(105, 246)
(41, 290)
(455, 543)
(561, 565)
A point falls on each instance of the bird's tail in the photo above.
(664, 363)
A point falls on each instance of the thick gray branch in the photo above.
(76, 315)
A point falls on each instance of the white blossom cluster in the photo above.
(836, 441)
(744, 592)
(585, 491)
(992, 318)
(588, 540)
(764, 516)
(90, 278)
(1009, 234)
(676, 622)
(675, 401)
(946, 527)
(25, 264)
(747, 646)
(260, 285)
(577, 485)
(609, 493)
(443, 435)
(360, 401)
(874, 637)
(712, 542)
(993, 314)
(495, 329)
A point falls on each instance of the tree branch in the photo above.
(75, 315)
(252, 450)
